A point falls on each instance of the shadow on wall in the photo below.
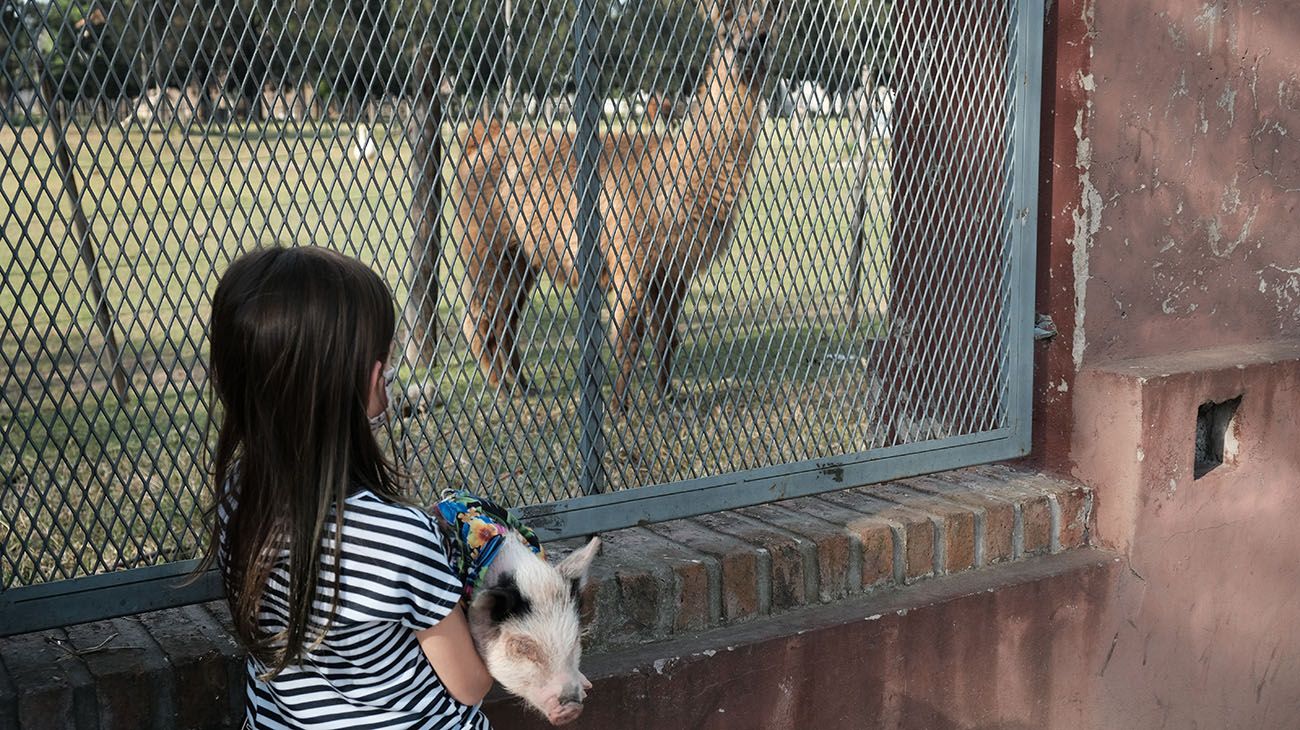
(851, 708)
(918, 715)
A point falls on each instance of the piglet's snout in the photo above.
(568, 703)
(573, 698)
(565, 713)
(574, 693)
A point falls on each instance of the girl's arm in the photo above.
(450, 649)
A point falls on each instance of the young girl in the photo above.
(341, 592)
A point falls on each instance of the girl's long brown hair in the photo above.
(295, 334)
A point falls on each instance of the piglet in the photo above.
(523, 610)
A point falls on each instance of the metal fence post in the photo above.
(591, 368)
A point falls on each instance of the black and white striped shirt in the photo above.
(369, 671)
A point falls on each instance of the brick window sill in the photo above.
(655, 582)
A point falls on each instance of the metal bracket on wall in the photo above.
(1044, 327)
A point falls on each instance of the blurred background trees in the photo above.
(355, 51)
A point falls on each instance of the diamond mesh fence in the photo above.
(634, 242)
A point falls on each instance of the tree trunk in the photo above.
(864, 123)
(424, 132)
(508, 53)
(86, 246)
(159, 22)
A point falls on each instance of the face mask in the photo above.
(380, 420)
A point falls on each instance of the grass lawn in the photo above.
(768, 369)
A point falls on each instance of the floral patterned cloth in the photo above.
(476, 529)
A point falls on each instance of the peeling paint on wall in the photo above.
(1087, 216)
(1186, 176)
(1288, 94)
(1228, 103)
(1208, 21)
(1282, 286)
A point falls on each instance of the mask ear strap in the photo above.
(389, 378)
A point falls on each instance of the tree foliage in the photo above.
(355, 49)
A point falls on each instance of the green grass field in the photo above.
(768, 370)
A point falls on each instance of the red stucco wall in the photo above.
(1186, 231)
(1170, 259)
(1011, 648)
(1170, 201)
(1204, 631)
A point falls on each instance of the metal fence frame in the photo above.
(135, 590)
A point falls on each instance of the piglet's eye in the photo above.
(525, 648)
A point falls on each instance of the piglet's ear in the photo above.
(576, 565)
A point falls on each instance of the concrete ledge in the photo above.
(1211, 584)
(1136, 428)
(181, 668)
(1004, 647)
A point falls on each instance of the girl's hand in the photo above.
(450, 650)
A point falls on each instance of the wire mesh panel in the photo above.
(653, 257)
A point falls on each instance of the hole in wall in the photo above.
(1216, 437)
